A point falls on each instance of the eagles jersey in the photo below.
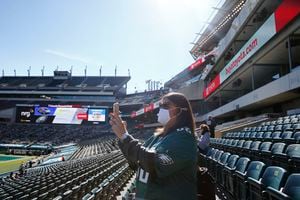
(166, 165)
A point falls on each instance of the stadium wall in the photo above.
(270, 91)
(194, 91)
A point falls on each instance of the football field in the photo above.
(10, 163)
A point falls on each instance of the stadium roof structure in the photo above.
(73, 83)
(204, 49)
(217, 28)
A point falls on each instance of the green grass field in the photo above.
(12, 165)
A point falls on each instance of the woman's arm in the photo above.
(136, 154)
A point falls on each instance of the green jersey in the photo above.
(169, 172)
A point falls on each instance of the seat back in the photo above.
(255, 145)
(297, 135)
(240, 143)
(232, 161)
(247, 134)
(224, 157)
(274, 177)
(267, 135)
(265, 146)
(293, 150)
(277, 148)
(292, 186)
(247, 144)
(287, 135)
(255, 169)
(242, 164)
(259, 135)
(276, 134)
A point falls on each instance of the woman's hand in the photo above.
(118, 126)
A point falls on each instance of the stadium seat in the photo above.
(290, 159)
(264, 147)
(277, 148)
(259, 136)
(254, 147)
(288, 127)
(276, 136)
(291, 189)
(227, 169)
(296, 137)
(267, 136)
(287, 137)
(240, 167)
(220, 165)
(254, 171)
(273, 177)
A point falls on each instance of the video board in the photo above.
(61, 114)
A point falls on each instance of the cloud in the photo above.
(67, 56)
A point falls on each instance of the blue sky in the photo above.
(149, 37)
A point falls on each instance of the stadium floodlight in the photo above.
(116, 70)
(100, 70)
(71, 70)
(42, 70)
(15, 72)
(28, 71)
(85, 70)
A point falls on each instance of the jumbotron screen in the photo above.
(61, 114)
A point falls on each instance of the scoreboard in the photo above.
(61, 114)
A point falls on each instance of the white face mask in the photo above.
(163, 116)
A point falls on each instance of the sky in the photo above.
(151, 38)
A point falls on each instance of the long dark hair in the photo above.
(184, 117)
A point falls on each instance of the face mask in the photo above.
(163, 116)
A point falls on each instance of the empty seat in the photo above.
(291, 189)
(290, 159)
(227, 169)
(277, 148)
(240, 167)
(254, 171)
(273, 177)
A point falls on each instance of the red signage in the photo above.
(213, 85)
(82, 116)
(196, 64)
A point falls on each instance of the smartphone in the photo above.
(116, 109)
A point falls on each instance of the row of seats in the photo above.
(286, 136)
(72, 179)
(277, 153)
(242, 178)
(100, 146)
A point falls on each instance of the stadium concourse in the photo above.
(245, 75)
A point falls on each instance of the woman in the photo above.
(167, 162)
(204, 139)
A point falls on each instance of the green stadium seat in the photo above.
(240, 167)
(291, 189)
(254, 170)
(272, 177)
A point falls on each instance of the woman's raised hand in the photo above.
(117, 124)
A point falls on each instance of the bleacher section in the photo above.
(90, 177)
(54, 134)
(260, 162)
(101, 146)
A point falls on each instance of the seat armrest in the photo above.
(271, 192)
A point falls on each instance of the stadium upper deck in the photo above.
(62, 87)
(246, 60)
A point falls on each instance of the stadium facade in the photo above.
(247, 61)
